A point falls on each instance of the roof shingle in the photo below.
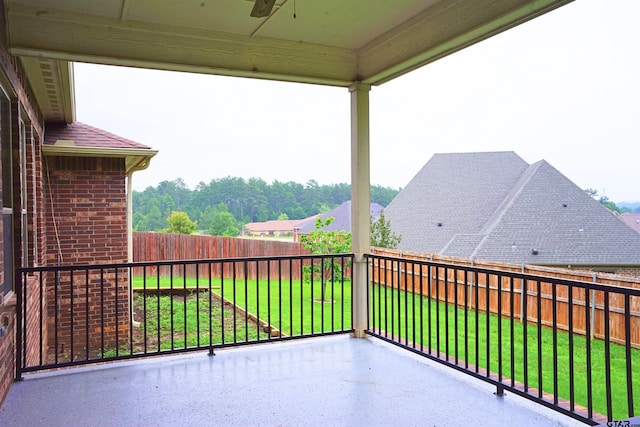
(84, 135)
(494, 206)
(342, 221)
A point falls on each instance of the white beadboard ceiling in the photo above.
(331, 42)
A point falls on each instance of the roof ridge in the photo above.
(508, 201)
(453, 239)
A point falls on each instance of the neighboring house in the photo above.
(632, 220)
(273, 228)
(342, 221)
(495, 206)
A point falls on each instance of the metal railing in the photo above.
(76, 315)
(568, 345)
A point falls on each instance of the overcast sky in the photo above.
(564, 88)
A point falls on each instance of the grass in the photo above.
(296, 309)
(539, 375)
(189, 320)
(292, 307)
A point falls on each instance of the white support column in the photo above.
(360, 202)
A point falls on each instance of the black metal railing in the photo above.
(75, 315)
(569, 345)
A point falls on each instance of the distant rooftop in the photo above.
(342, 215)
(274, 225)
(495, 206)
(632, 220)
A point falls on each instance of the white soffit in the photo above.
(332, 42)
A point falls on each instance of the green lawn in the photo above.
(187, 321)
(293, 308)
(296, 309)
(427, 334)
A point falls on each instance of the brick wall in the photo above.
(7, 352)
(25, 108)
(86, 224)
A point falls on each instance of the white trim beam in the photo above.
(442, 29)
(80, 37)
(445, 28)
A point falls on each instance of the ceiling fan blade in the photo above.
(262, 8)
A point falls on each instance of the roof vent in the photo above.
(534, 251)
(439, 224)
(564, 205)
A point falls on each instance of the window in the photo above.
(23, 192)
(7, 192)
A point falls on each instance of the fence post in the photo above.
(523, 295)
(593, 306)
(471, 284)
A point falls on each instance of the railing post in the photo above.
(19, 314)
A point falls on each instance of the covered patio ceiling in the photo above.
(330, 42)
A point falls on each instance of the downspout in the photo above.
(129, 216)
(130, 240)
(142, 164)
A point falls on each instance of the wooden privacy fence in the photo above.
(439, 278)
(152, 247)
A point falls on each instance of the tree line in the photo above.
(231, 202)
(609, 204)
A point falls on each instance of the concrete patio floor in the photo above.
(329, 381)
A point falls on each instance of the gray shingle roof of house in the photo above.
(495, 206)
(632, 220)
(342, 221)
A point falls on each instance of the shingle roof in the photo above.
(86, 136)
(274, 225)
(452, 194)
(632, 220)
(342, 221)
(494, 206)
